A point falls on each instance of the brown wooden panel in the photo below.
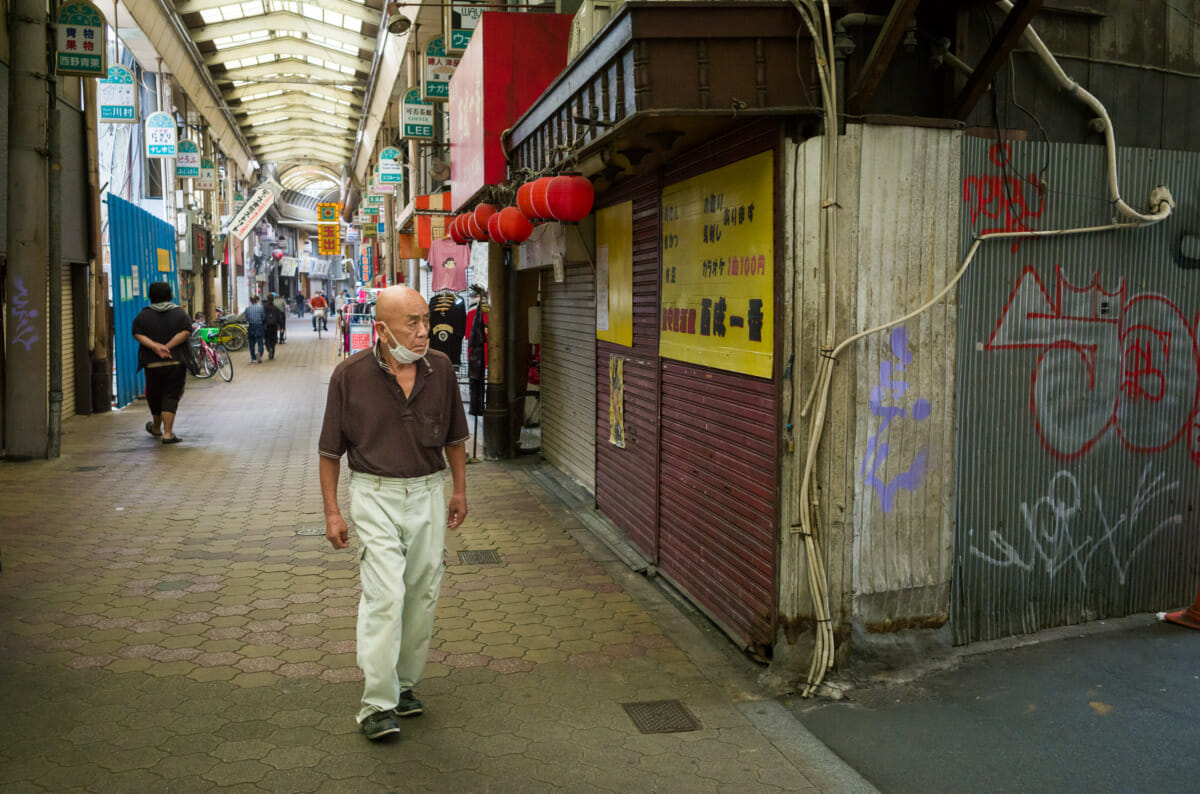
(627, 479)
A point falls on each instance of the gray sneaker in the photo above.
(409, 705)
(380, 724)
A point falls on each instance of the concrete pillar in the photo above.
(26, 381)
(497, 424)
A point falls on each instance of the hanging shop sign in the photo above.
(391, 170)
(376, 184)
(160, 135)
(366, 265)
(352, 235)
(373, 200)
(330, 239)
(327, 212)
(251, 213)
(117, 97)
(82, 45)
(461, 21)
(416, 117)
(436, 71)
(718, 270)
(208, 176)
(187, 159)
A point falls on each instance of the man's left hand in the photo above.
(456, 511)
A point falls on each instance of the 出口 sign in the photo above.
(718, 271)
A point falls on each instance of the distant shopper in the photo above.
(256, 318)
(162, 329)
(281, 304)
(299, 305)
(272, 321)
(320, 307)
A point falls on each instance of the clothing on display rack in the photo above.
(448, 265)
(477, 354)
(447, 324)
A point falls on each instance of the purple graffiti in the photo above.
(25, 333)
(890, 389)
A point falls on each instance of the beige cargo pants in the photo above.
(401, 528)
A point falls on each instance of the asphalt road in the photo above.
(1116, 711)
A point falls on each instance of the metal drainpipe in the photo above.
(512, 301)
(54, 241)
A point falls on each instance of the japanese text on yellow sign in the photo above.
(718, 270)
(330, 241)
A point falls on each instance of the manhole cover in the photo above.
(486, 557)
(311, 531)
(88, 468)
(661, 716)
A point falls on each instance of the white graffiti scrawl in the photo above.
(1107, 362)
(1057, 537)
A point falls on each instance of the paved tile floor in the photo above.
(166, 625)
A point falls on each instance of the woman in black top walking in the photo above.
(162, 329)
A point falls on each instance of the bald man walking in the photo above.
(396, 413)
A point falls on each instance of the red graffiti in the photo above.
(1105, 362)
(1003, 197)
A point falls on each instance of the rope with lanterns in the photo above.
(566, 198)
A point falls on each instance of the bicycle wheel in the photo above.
(233, 336)
(224, 362)
(208, 367)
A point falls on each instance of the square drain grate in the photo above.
(311, 531)
(661, 716)
(479, 557)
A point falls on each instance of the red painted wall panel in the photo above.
(510, 61)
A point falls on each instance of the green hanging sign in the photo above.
(82, 48)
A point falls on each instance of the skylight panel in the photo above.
(253, 9)
(211, 15)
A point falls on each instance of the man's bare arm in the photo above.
(456, 510)
(336, 531)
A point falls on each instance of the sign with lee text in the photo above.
(436, 71)
(416, 117)
(187, 159)
(160, 135)
(82, 48)
(117, 97)
(718, 271)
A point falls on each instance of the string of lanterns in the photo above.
(567, 198)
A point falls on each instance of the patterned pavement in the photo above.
(167, 625)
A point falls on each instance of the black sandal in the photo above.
(172, 440)
(150, 430)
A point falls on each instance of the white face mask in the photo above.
(399, 351)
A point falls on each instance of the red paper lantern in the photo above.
(483, 212)
(525, 200)
(475, 230)
(456, 230)
(513, 225)
(570, 198)
(493, 227)
(537, 198)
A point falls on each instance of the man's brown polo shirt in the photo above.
(368, 418)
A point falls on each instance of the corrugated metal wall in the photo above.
(68, 344)
(885, 473)
(718, 495)
(1079, 442)
(627, 479)
(568, 369)
(135, 236)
